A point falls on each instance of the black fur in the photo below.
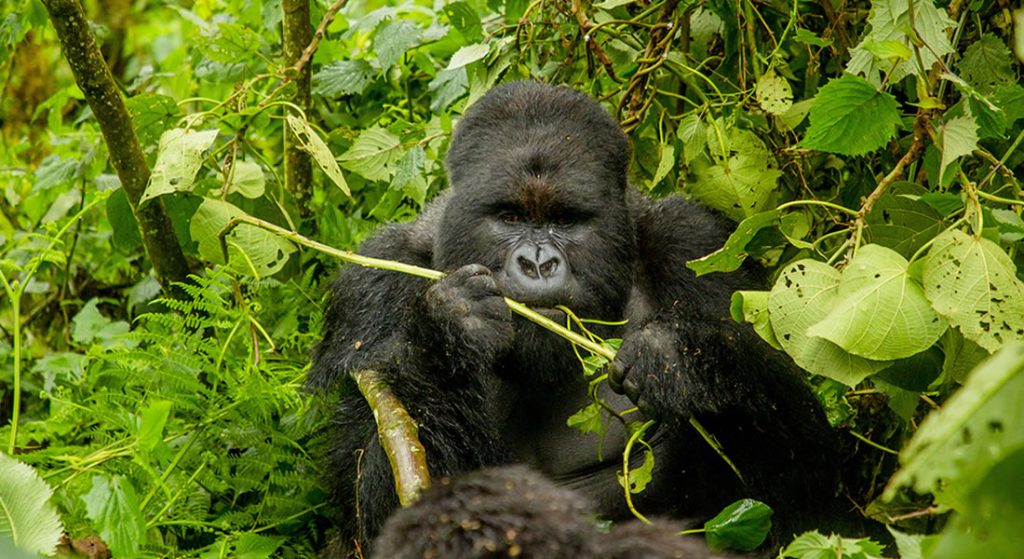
(514, 512)
(547, 166)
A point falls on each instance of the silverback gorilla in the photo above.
(539, 209)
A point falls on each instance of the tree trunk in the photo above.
(97, 84)
(298, 169)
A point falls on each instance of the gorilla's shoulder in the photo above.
(411, 242)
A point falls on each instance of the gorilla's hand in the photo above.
(469, 309)
(647, 369)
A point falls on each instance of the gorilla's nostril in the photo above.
(528, 267)
(548, 268)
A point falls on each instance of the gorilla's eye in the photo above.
(511, 217)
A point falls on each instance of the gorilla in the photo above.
(512, 511)
(540, 210)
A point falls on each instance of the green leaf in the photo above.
(666, 163)
(902, 221)
(251, 251)
(465, 20)
(973, 283)
(27, 517)
(813, 545)
(152, 114)
(447, 87)
(879, 312)
(89, 326)
(393, 39)
(752, 307)
(987, 64)
(889, 50)
(981, 424)
(810, 38)
(742, 526)
(178, 160)
(231, 44)
(693, 134)
(151, 424)
(373, 153)
(802, 296)
(113, 507)
(890, 21)
(310, 142)
(959, 137)
(638, 477)
(741, 179)
(256, 546)
(851, 117)
(247, 179)
(468, 55)
(774, 93)
(343, 77)
(731, 256)
(588, 419)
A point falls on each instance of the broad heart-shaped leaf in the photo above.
(247, 179)
(733, 253)
(343, 77)
(26, 515)
(251, 251)
(178, 160)
(973, 283)
(959, 138)
(742, 526)
(802, 296)
(742, 176)
(979, 425)
(373, 154)
(880, 313)
(851, 117)
(311, 142)
(113, 507)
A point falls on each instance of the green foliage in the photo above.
(742, 526)
(871, 157)
(28, 519)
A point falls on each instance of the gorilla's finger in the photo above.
(616, 374)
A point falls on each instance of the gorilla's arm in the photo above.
(386, 321)
(688, 358)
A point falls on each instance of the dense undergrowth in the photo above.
(869, 153)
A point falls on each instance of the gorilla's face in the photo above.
(539, 198)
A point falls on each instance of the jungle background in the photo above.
(151, 361)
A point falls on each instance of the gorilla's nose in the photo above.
(538, 273)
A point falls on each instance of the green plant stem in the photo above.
(873, 444)
(427, 273)
(837, 207)
(14, 289)
(636, 436)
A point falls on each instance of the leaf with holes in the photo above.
(978, 426)
(880, 312)
(251, 251)
(973, 283)
(310, 142)
(178, 160)
(802, 296)
(774, 93)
